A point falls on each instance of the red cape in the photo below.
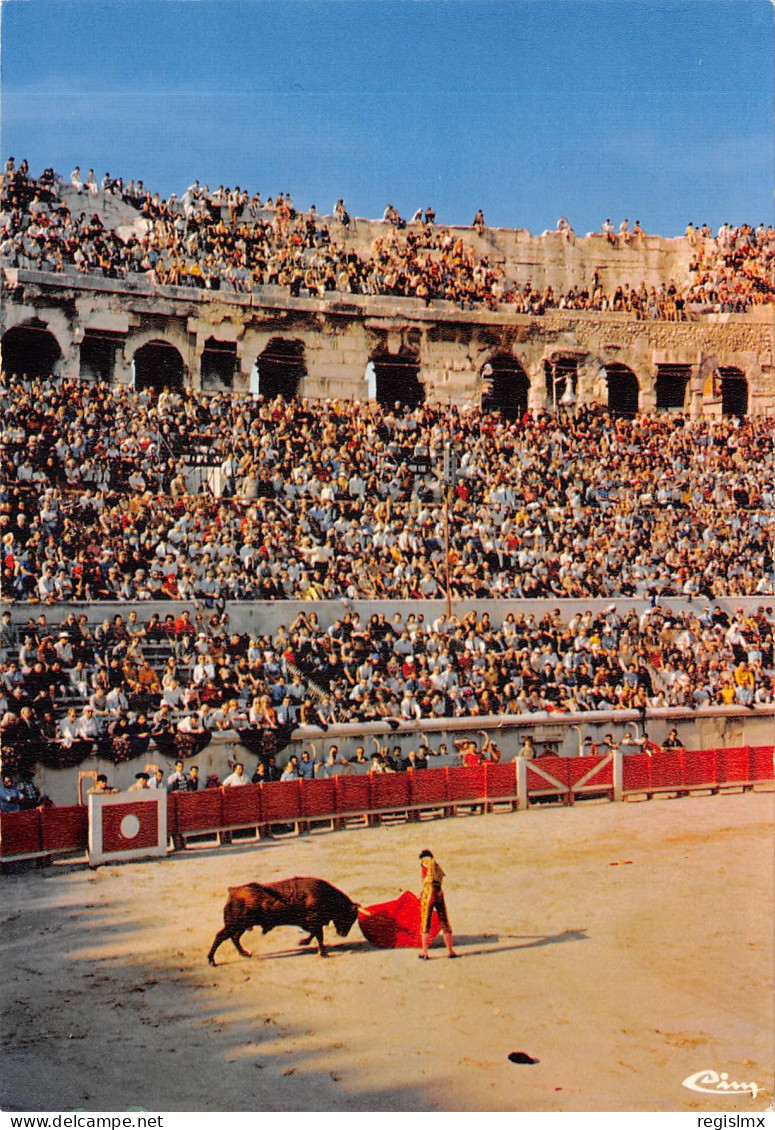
(393, 925)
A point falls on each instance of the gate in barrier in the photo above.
(591, 776)
(543, 777)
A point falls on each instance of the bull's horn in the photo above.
(362, 910)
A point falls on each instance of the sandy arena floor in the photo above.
(620, 981)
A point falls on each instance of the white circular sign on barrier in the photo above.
(130, 826)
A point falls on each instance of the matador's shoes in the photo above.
(453, 955)
(424, 956)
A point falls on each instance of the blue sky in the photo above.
(661, 111)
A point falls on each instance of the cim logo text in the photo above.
(718, 1083)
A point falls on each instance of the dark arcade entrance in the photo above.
(734, 391)
(505, 387)
(98, 355)
(280, 369)
(671, 385)
(30, 349)
(397, 380)
(158, 365)
(561, 380)
(218, 365)
(623, 391)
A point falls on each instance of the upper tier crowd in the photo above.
(101, 500)
(228, 239)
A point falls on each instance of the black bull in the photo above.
(305, 902)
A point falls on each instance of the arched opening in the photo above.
(396, 378)
(671, 385)
(734, 391)
(98, 355)
(30, 349)
(219, 362)
(623, 391)
(505, 387)
(562, 374)
(280, 368)
(158, 365)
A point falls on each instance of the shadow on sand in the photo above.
(483, 943)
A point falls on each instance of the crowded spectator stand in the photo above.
(230, 240)
(104, 504)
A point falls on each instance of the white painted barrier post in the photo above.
(618, 775)
(521, 783)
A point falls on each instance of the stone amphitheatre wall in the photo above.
(337, 336)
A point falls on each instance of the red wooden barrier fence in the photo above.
(52, 831)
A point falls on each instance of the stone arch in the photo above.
(505, 386)
(734, 391)
(158, 365)
(397, 378)
(623, 390)
(30, 348)
(281, 367)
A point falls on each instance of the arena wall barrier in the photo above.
(761, 769)
(281, 803)
(428, 789)
(198, 813)
(21, 835)
(318, 799)
(699, 770)
(636, 773)
(241, 807)
(390, 792)
(353, 795)
(465, 786)
(591, 776)
(564, 733)
(734, 767)
(63, 831)
(666, 774)
(500, 783)
(545, 777)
